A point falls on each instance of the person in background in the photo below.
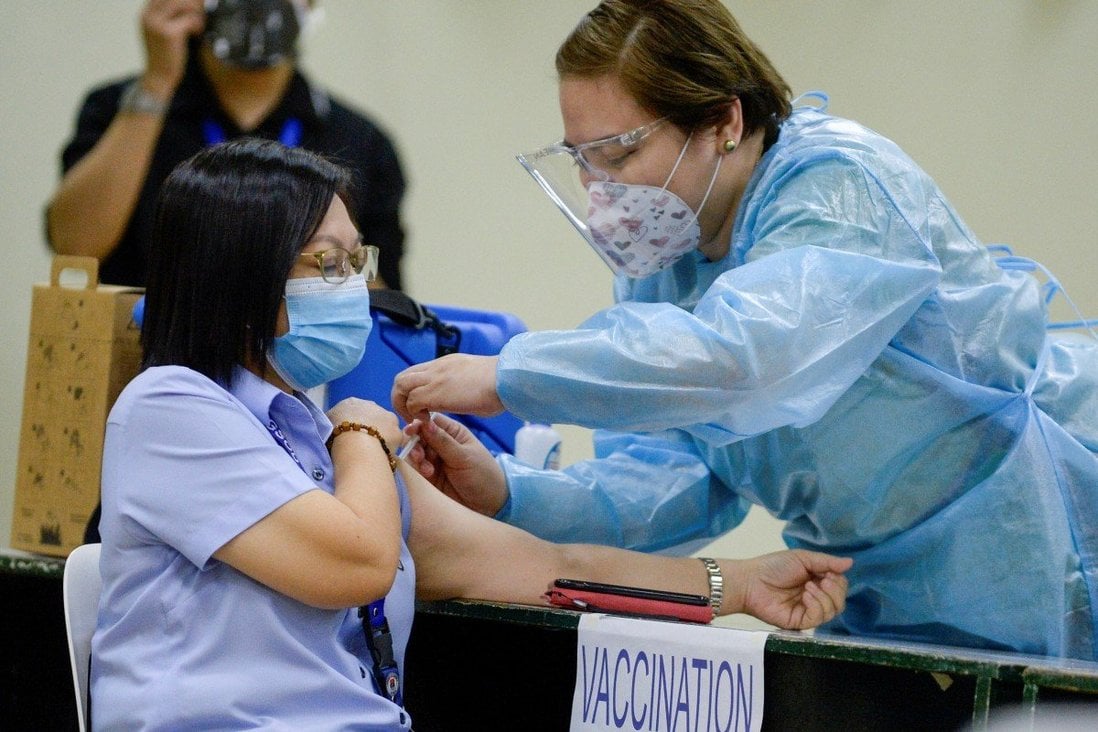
(242, 531)
(214, 70)
(804, 323)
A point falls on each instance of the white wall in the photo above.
(995, 99)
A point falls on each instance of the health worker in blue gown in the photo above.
(802, 322)
(260, 557)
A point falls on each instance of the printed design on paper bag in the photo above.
(49, 534)
(68, 482)
(74, 442)
(81, 351)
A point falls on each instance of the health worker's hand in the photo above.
(456, 383)
(794, 589)
(454, 461)
(362, 411)
(166, 27)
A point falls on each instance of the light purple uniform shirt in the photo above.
(185, 641)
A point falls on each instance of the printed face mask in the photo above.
(253, 34)
(639, 230)
(329, 325)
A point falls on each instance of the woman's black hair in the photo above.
(230, 223)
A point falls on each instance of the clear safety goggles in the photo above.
(563, 170)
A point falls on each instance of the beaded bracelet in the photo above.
(342, 427)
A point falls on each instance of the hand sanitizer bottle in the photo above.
(538, 445)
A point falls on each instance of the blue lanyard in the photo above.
(290, 136)
(379, 640)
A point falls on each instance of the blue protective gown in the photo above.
(858, 365)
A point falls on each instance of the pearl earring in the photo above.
(729, 145)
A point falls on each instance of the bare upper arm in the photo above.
(314, 549)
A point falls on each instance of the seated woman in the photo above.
(241, 531)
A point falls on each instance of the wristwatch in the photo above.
(135, 100)
(716, 584)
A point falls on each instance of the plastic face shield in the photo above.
(563, 172)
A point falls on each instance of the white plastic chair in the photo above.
(80, 590)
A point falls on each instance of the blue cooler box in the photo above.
(406, 333)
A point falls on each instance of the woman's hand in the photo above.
(455, 462)
(793, 589)
(457, 383)
(369, 413)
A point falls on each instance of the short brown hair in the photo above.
(681, 59)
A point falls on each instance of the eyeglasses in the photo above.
(336, 265)
(602, 157)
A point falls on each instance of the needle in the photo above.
(406, 448)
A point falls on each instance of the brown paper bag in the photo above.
(84, 348)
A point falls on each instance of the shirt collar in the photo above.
(264, 400)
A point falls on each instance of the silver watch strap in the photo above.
(135, 100)
(716, 584)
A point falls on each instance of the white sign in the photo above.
(654, 676)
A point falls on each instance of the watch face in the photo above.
(252, 34)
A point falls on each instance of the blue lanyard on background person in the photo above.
(375, 628)
(290, 136)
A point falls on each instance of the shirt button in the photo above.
(318, 474)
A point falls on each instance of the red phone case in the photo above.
(602, 602)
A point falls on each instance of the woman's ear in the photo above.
(728, 132)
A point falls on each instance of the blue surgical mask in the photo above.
(329, 325)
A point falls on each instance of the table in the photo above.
(491, 666)
(507, 667)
